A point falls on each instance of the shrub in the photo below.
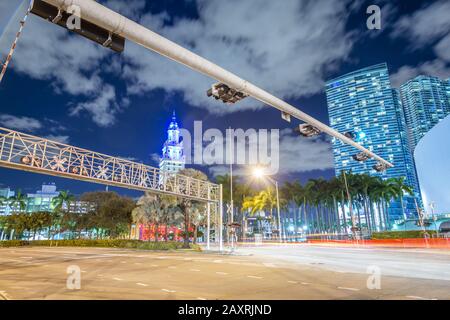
(129, 244)
(401, 234)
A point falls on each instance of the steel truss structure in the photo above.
(30, 153)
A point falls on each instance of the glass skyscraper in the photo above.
(426, 101)
(363, 103)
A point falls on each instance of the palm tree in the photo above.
(58, 202)
(185, 204)
(63, 198)
(18, 201)
(400, 189)
(151, 209)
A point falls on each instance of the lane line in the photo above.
(305, 283)
(419, 298)
(170, 291)
(349, 289)
(200, 298)
(222, 273)
(194, 270)
(294, 282)
(254, 277)
(142, 284)
(117, 279)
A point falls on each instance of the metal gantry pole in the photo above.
(231, 188)
(220, 211)
(103, 17)
(278, 211)
(14, 45)
(208, 221)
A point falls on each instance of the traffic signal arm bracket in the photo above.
(88, 30)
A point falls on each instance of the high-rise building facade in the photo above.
(5, 194)
(363, 103)
(173, 158)
(426, 101)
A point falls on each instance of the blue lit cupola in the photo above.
(173, 159)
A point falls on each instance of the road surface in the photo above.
(266, 272)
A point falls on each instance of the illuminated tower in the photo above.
(173, 159)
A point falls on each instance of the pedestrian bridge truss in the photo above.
(29, 153)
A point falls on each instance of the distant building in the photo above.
(426, 101)
(42, 199)
(173, 158)
(5, 193)
(364, 104)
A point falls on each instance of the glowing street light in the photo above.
(259, 173)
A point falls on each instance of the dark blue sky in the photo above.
(139, 127)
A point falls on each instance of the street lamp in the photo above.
(260, 173)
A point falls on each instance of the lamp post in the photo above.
(259, 173)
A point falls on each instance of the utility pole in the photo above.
(231, 141)
(350, 207)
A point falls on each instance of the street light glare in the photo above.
(258, 172)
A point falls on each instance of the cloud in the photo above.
(283, 46)
(69, 63)
(296, 155)
(58, 138)
(427, 26)
(437, 68)
(102, 109)
(20, 123)
(130, 8)
(35, 126)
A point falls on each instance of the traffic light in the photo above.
(307, 130)
(361, 157)
(380, 167)
(221, 91)
(87, 29)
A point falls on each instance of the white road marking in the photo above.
(153, 265)
(295, 282)
(419, 298)
(195, 270)
(222, 273)
(123, 262)
(218, 261)
(26, 257)
(349, 289)
(305, 283)
(254, 277)
(270, 265)
(170, 291)
(188, 259)
(83, 271)
(137, 263)
(142, 284)
(200, 298)
(4, 295)
(118, 279)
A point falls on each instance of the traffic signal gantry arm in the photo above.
(120, 26)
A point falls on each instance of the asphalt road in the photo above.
(267, 272)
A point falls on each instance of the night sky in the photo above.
(144, 89)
